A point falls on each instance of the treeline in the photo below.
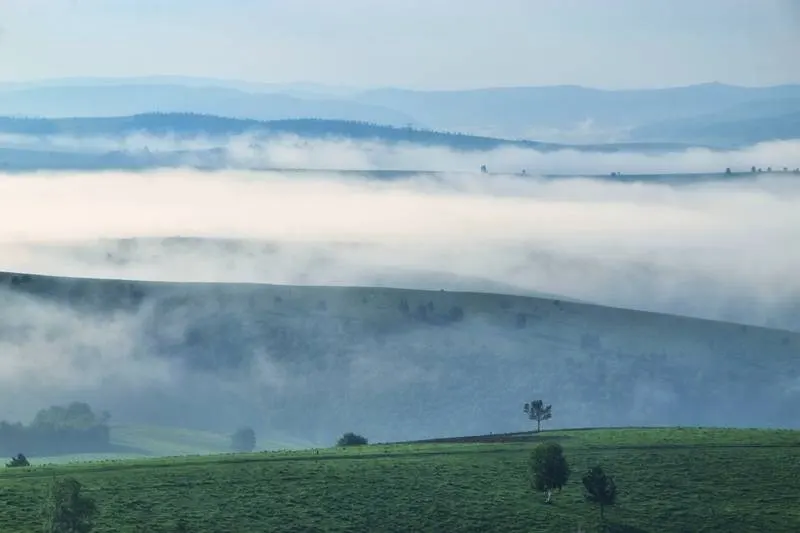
(57, 430)
(194, 124)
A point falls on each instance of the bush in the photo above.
(351, 439)
(67, 509)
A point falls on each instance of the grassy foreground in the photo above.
(669, 480)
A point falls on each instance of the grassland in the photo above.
(670, 480)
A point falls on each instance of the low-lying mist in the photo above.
(724, 249)
(278, 151)
(720, 250)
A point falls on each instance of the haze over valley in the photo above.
(357, 266)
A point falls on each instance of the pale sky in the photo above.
(411, 43)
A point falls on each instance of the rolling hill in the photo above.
(143, 441)
(103, 100)
(312, 362)
(206, 142)
(521, 111)
(738, 126)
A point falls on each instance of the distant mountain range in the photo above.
(715, 114)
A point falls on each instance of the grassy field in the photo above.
(669, 480)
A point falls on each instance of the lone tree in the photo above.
(244, 440)
(600, 489)
(18, 461)
(351, 439)
(537, 410)
(67, 510)
(549, 469)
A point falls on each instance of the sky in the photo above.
(434, 44)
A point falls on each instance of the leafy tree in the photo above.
(72, 428)
(243, 440)
(351, 439)
(549, 469)
(67, 510)
(537, 410)
(18, 461)
(77, 415)
(600, 489)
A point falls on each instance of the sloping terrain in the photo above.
(313, 362)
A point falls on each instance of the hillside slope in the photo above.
(312, 362)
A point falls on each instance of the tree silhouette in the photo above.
(244, 440)
(537, 410)
(549, 469)
(600, 489)
(351, 439)
(18, 461)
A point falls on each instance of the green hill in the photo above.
(313, 362)
(133, 442)
(669, 480)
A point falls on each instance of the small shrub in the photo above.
(67, 509)
(351, 439)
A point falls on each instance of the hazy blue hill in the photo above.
(745, 124)
(729, 133)
(300, 89)
(313, 362)
(116, 100)
(545, 113)
(520, 109)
